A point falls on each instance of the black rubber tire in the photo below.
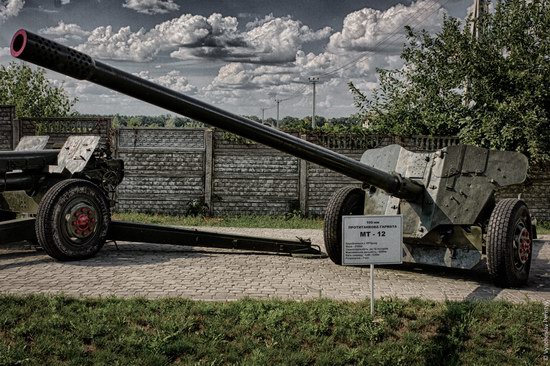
(348, 200)
(51, 221)
(509, 217)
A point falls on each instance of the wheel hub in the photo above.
(81, 221)
(524, 246)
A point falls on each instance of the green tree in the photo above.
(115, 121)
(170, 121)
(347, 122)
(493, 91)
(134, 121)
(253, 117)
(32, 93)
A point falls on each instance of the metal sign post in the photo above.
(372, 290)
(370, 240)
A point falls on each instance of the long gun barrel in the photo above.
(30, 47)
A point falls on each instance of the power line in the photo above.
(278, 101)
(295, 94)
(313, 80)
(418, 19)
(392, 34)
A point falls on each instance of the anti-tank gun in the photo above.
(30, 171)
(447, 198)
(66, 197)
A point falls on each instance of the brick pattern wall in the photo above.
(253, 179)
(164, 169)
(535, 192)
(323, 182)
(7, 118)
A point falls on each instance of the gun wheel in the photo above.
(345, 201)
(510, 243)
(73, 220)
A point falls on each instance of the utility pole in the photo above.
(278, 101)
(263, 114)
(313, 80)
(476, 28)
(480, 7)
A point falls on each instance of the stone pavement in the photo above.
(213, 274)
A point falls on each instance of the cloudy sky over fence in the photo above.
(238, 54)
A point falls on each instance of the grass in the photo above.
(249, 221)
(543, 228)
(39, 330)
(274, 222)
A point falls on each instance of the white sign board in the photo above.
(372, 240)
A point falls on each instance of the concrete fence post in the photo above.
(16, 129)
(302, 183)
(208, 169)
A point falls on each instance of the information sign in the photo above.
(372, 239)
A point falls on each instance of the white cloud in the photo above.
(270, 40)
(259, 21)
(278, 79)
(63, 31)
(368, 29)
(126, 45)
(191, 30)
(47, 11)
(5, 56)
(10, 8)
(351, 54)
(266, 57)
(278, 39)
(274, 40)
(151, 7)
(235, 75)
(173, 80)
(273, 77)
(79, 88)
(142, 46)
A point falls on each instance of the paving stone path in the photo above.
(154, 271)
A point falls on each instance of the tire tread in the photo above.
(333, 220)
(44, 223)
(500, 232)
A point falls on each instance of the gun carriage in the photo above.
(447, 198)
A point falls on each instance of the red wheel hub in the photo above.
(82, 221)
(524, 247)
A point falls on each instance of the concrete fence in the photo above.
(175, 171)
(172, 170)
(8, 137)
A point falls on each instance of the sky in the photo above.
(240, 55)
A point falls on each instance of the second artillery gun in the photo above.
(447, 198)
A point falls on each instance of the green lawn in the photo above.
(40, 330)
(543, 228)
(275, 222)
